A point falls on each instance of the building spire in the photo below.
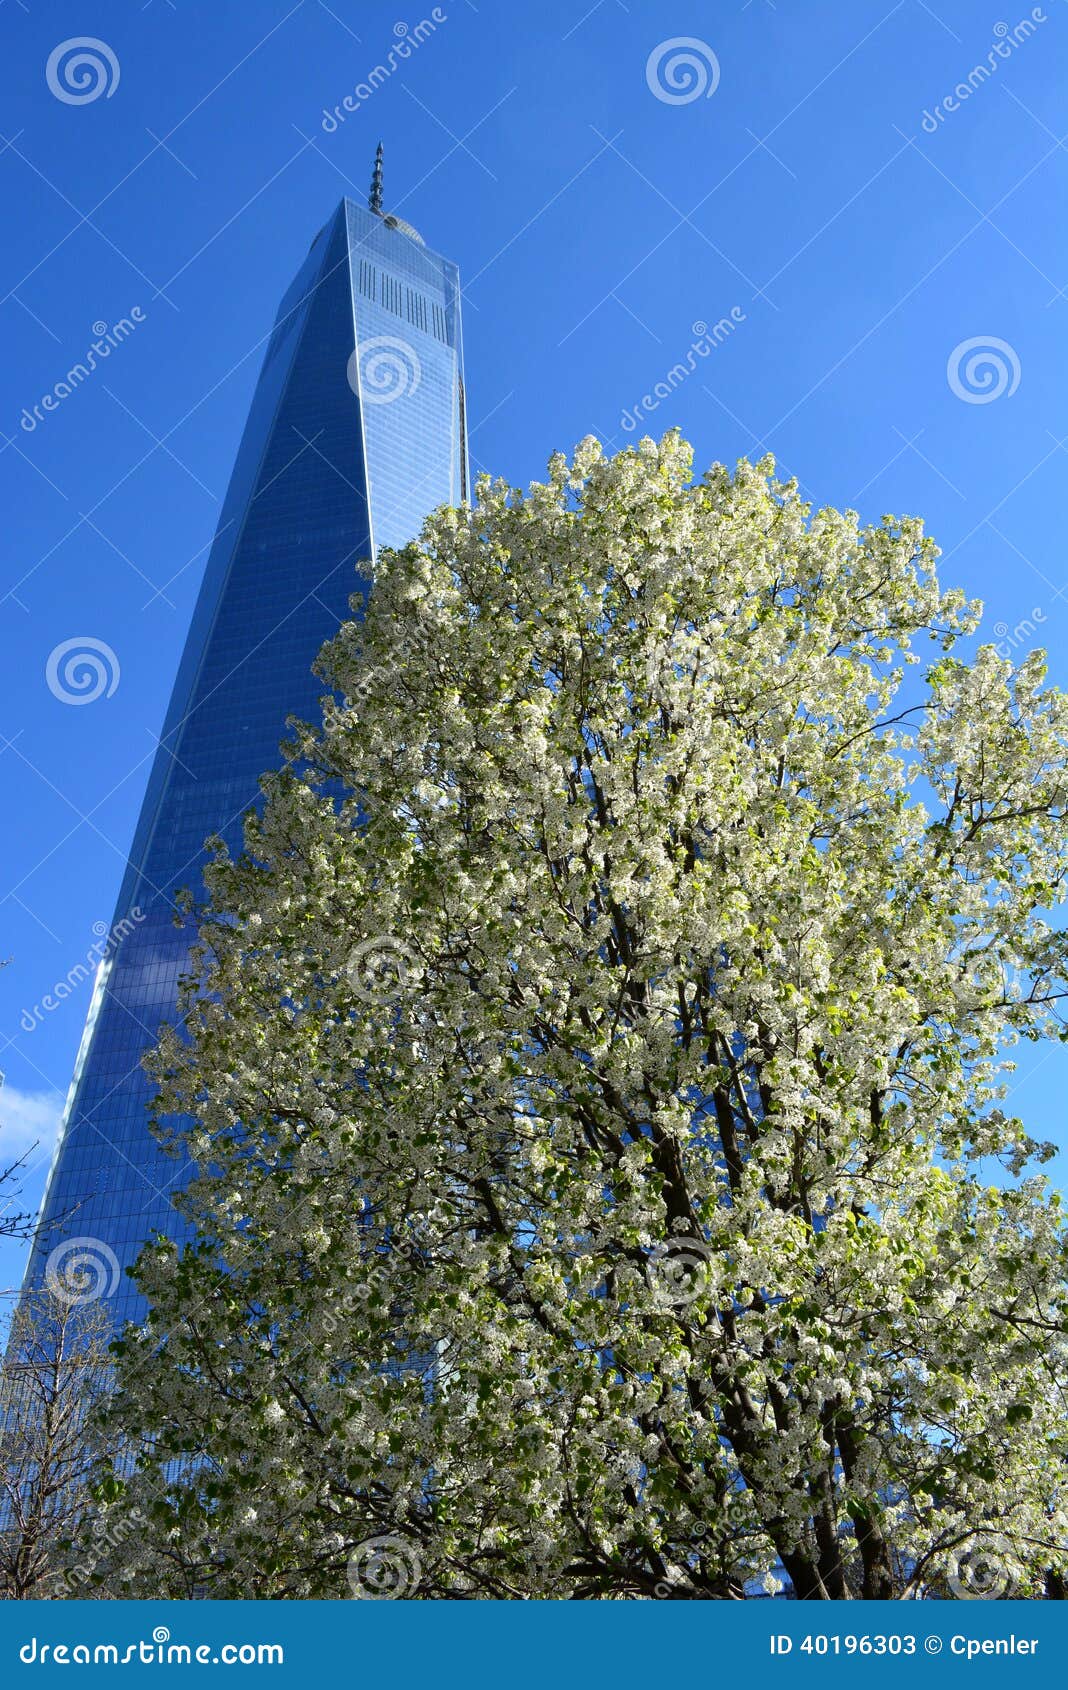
(374, 198)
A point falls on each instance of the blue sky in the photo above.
(807, 174)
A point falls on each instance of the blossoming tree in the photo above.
(599, 1068)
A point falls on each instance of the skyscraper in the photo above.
(356, 432)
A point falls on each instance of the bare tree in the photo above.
(14, 1223)
(53, 1375)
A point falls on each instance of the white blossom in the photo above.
(633, 1230)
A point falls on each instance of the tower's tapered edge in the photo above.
(356, 431)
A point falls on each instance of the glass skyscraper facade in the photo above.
(356, 432)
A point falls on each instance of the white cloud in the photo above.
(26, 1118)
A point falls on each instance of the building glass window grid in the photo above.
(319, 478)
